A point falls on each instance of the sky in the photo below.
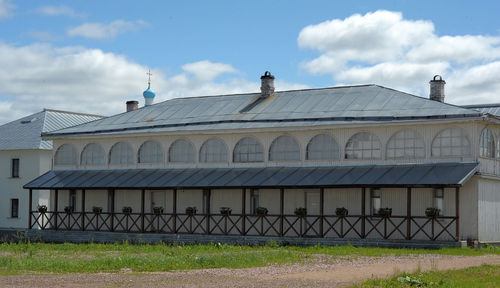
(92, 56)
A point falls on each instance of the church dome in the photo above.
(148, 93)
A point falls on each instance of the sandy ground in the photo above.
(322, 271)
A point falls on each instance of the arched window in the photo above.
(405, 143)
(213, 150)
(65, 155)
(150, 152)
(363, 145)
(92, 154)
(451, 142)
(121, 153)
(284, 148)
(487, 144)
(181, 151)
(247, 150)
(322, 147)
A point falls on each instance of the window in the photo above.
(65, 155)
(93, 154)
(181, 151)
(284, 148)
(110, 200)
(374, 201)
(121, 153)
(405, 144)
(451, 142)
(72, 200)
(438, 199)
(487, 144)
(14, 208)
(150, 152)
(15, 168)
(213, 150)
(247, 150)
(322, 147)
(254, 200)
(206, 194)
(363, 145)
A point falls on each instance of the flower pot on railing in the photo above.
(191, 210)
(225, 211)
(42, 208)
(127, 210)
(385, 212)
(341, 212)
(432, 212)
(68, 209)
(158, 210)
(97, 210)
(261, 211)
(300, 211)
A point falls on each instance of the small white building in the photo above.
(305, 163)
(24, 156)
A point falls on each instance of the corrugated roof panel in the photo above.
(228, 177)
(414, 174)
(312, 178)
(373, 175)
(351, 174)
(263, 175)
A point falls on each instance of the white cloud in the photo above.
(92, 81)
(384, 48)
(58, 11)
(105, 30)
(6, 8)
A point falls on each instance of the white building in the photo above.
(24, 156)
(362, 148)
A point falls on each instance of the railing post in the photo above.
(112, 205)
(457, 212)
(321, 210)
(208, 211)
(408, 213)
(363, 208)
(83, 210)
(30, 208)
(174, 209)
(56, 198)
(243, 211)
(282, 208)
(143, 195)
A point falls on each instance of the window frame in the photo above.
(92, 163)
(282, 152)
(354, 149)
(156, 157)
(14, 213)
(129, 153)
(464, 138)
(14, 167)
(334, 150)
(487, 149)
(220, 151)
(416, 144)
(192, 150)
(58, 155)
(254, 150)
(375, 201)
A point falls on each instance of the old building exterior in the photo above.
(24, 156)
(304, 163)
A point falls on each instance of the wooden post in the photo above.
(321, 210)
(408, 213)
(208, 210)
(83, 210)
(112, 210)
(243, 210)
(56, 200)
(143, 195)
(30, 209)
(363, 212)
(174, 209)
(282, 208)
(457, 211)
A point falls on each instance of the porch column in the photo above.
(143, 195)
(243, 210)
(208, 210)
(112, 210)
(174, 209)
(321, 210)
(30, 208)
(408, 213)
(56, 200)
(363, 212)
(282, 208)
(457, 211)
(83, 210)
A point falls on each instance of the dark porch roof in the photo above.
(417, 175)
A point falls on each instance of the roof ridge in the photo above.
(71, 112)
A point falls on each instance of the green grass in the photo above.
(481, 276)
(89, 258)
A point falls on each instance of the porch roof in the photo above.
(415, 175)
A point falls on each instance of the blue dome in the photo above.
(148, 93)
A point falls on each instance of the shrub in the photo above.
(385, 212)
(261, 211)
(225, 210)
(191, 210)
(158, 210)
(127, 209)
(341, 212)
(68, 209)
(301, 211)
(432, 212)
(97, 210)
(42, 208)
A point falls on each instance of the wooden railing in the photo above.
(327, 226)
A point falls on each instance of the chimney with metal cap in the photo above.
(132, 105)
(437, 89)
(267, 85)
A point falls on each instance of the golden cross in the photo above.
(149, 76)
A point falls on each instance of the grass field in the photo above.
(481, 276)
(89, 258)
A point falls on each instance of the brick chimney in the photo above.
(437, 89)
(267, 85)
(132, 105)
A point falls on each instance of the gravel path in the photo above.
(322, 271)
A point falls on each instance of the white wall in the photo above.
(489, 210)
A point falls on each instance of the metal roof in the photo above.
(25, 133)
(417, 175)
(285, 108)
(493, 109)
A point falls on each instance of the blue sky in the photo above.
(92, 56)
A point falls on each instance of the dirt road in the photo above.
(321, 271)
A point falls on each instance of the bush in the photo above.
(42, 208)
(97, 210)
(68, 209)
(341, 212)
(301, 211)
(158, 210)
(385, 212)
(127, 209)
(191, 210)
(261, 211)
(432, 212)
(225, 210)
